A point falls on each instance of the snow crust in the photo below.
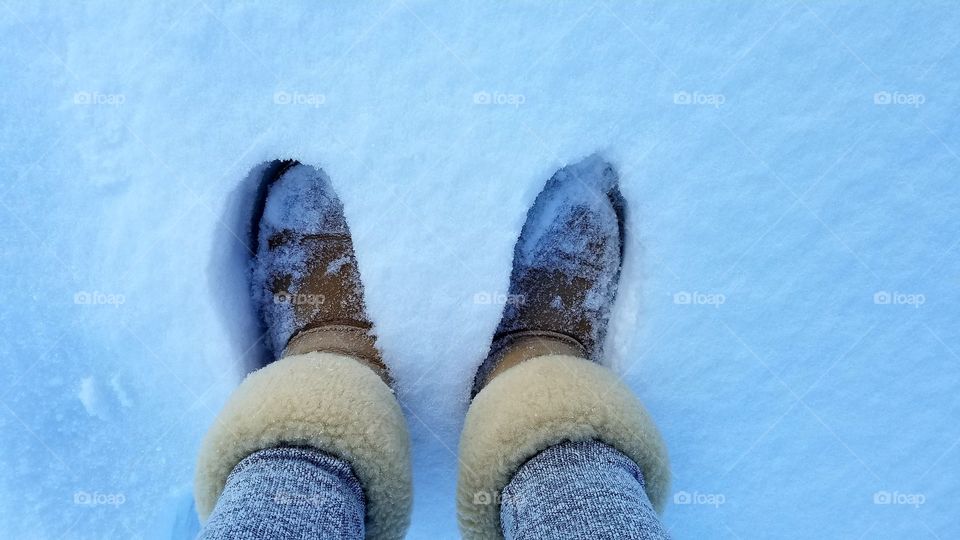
(788, 309)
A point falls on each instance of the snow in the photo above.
(788, 310)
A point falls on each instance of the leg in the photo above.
(584, 490)
(313, 444)
(289, 493)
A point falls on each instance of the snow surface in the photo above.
(789, 308)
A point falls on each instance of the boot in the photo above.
(542, 384)
(327, 387)
(305, 277)
(566, 267)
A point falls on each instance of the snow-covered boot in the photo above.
(328, 388)
(566, 267)
(305, 276)
(542, 383)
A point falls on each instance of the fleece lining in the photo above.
(535, 405)
(326, 401)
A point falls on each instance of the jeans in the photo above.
(585, 490)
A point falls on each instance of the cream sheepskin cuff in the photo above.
(326, 401)
(537, 404)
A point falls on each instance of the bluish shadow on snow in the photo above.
(626, 316)
(229, 268)
(184, 522)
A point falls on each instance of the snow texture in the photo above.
(789, 303)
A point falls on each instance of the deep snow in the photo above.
(788, 311)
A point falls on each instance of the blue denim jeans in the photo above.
(579, 490)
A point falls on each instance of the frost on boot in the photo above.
(305, 279)
(566, 266)
(547, 387)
